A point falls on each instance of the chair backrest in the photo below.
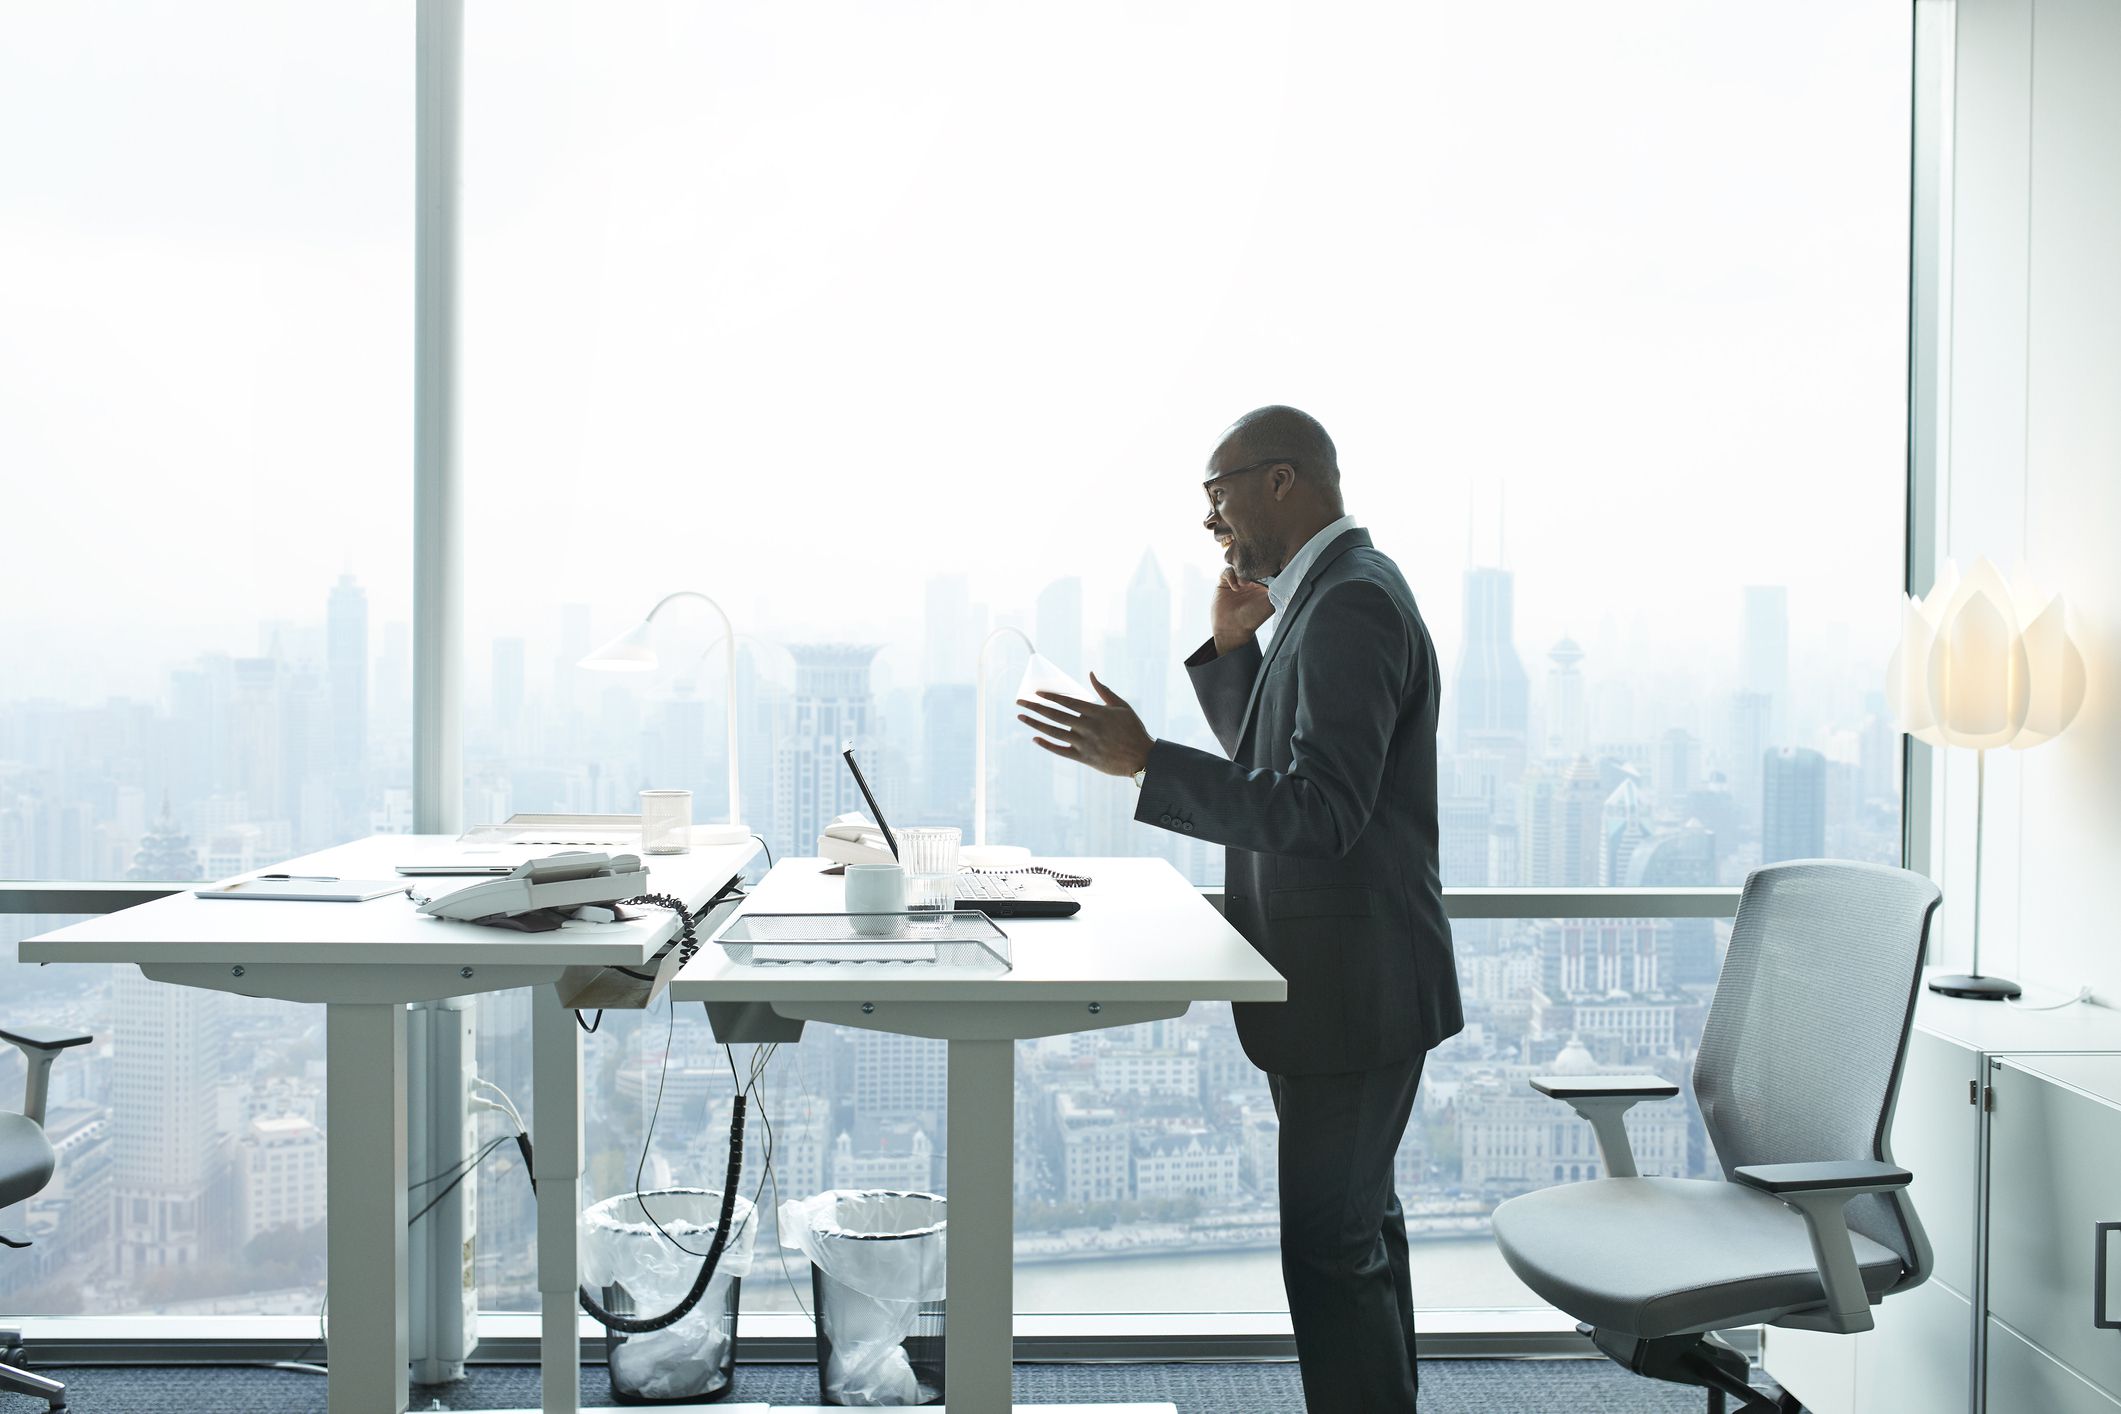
(1801, 1056)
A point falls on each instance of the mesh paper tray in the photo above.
(962, 939)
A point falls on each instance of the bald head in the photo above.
(1288, 434)
(1272, 483)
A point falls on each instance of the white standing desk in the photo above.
(1145, 947)
(365, 962)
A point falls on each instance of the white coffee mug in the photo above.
(876, 893)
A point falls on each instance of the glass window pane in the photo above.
(205, 331)
(890, 330)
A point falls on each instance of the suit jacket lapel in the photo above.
(1348, 540)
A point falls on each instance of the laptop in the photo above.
(999, 895)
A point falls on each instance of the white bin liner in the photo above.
(887, 1252)
(619, 1244)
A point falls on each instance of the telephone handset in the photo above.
(852, 839)
(568, 880)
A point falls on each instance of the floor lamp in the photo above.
(1983, 664)
(634, 652)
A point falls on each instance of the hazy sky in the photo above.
(800, 303)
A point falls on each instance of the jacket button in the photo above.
(1163, 819)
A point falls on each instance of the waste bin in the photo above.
(877, 1276)
(638, 1270)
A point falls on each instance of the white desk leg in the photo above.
(364, 1090)
(556, 1139)
(979, 1330)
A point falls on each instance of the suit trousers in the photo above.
(1344, 1238)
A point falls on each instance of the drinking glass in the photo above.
(929, 854)
(666, 821)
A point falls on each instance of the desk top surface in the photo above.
(384, 931)
(1144, 934)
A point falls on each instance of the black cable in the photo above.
(669, 1030)
(590, 1026)
(767, 847)
(506, 1138)
(631, 1325)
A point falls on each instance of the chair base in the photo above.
(20, 1381)
(1700, 1360)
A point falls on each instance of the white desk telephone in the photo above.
(852, 839)
(567, 880)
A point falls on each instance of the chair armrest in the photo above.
(39, 1049)
(1604, 1100)
(1820, 1193)
(1853, 1177)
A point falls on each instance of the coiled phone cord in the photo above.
(641, 1325)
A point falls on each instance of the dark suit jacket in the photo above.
(1328, 808)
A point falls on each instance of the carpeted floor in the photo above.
(1447, 1387)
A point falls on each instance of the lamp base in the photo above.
(719, 834)
(1977, 989)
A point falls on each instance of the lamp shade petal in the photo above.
(1979, 686)
(630, 652)
(1907, 685)
(2056, 670)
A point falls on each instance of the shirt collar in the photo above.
(1281, 588)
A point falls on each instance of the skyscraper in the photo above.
(1148, 658)
(507, 684)
(1568, 729)
(1765, 668)
(952, 629)
(1490, 687)
(166, 1045)
(1792, 805)
(346, 670)
(946, 753)
(1060, 623)
(833, 705)
(1623, 828)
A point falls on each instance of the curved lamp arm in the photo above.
(635, 652)
(979, 730)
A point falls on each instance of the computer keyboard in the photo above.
(984, 888)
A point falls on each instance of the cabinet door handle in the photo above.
(2100, 1318)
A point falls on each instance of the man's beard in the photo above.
(1258, 560)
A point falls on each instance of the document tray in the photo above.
(962, 939)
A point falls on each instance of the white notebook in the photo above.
(309, 890)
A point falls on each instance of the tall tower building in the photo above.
(1579, 810)
(1792, 805)
(171, 1151)
(1490, 687)
(833, 705)
(952, 630)
(1747, 737)
(1765, 667)
(1568, 728)
(946, 753)
(1623, 828)
(1060, 623)
(1148, 661)
(346, 672)
(507, 684)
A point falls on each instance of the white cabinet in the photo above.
(2054, 1202)
(2010, 1121)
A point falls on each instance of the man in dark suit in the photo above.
(1327, 804)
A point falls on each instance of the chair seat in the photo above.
(26, 1158)
(1664, 1256)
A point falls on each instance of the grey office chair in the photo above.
(26, 1164)
(1799, 1067)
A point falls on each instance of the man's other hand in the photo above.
(1239, 608)
(1105, 736)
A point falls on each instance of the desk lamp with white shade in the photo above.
(1040, 675)
(1983, 663)
(634, 652)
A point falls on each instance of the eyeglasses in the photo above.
(1209, 486)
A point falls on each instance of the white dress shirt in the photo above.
(1281, 588)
